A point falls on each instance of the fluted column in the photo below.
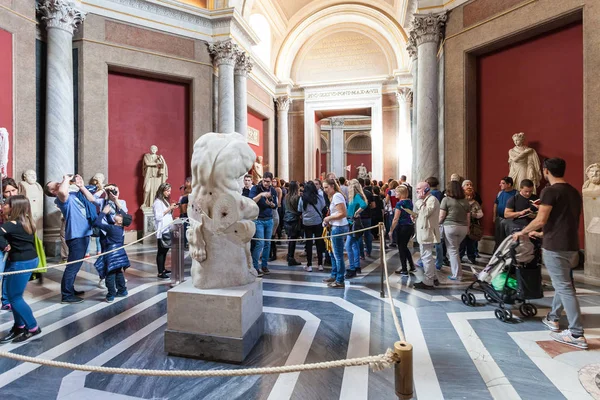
(283, 150)
(428, 30)
(61, 18)
(405, 144)
(412, 51)
(243, 66)
(336, 146)
(224, 57)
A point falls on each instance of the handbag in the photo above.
(475, 231)
(39, 248)
(166, 240)
(357, 225)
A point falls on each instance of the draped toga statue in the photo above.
(155, 172)
(524, 162)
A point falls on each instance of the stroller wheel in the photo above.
(500, 314)
(472, 300)
(489, 298)
(528, 310)
(465, 299)
(508, 314)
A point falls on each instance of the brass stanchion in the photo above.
(381, 256)
(403, 370)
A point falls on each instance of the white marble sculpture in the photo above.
(524, 162)
(591, 187)
(591, 215)
(221, 225)
(3, 152)
(34, 192)
(155, 172)
(257, 170)
(362, 171)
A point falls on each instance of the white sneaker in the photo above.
(308, 268)
(101, 284)
(320, 268)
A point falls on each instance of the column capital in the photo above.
(337, 122)
(243, 63)
(404, 95)
(223, 52)
(283, 103)
(61, 14)
(428, 27)
(411, 45)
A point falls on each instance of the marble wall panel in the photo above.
(98, 57)
(477, 11)
(390, 138)
(512, 27)
(130, 35)
(261, 102)
(23, 146)
(296, 132)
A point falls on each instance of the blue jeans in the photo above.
(115, 284)
(3, 267)
(98, 247)
(368, 235)
(77, 248)
(264, 230)
(15, 286)
(338, 268)
(439, 255)
(353, 249)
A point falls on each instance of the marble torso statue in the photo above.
(524, 162)
(155, 172)
(221, 219)
(362, 171)
(34, 192)
(3, 151)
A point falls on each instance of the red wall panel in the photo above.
(257, 123)
(354, 161)
(6, 91)
(534, 87)
(143, 112)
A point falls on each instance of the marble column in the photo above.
(412, 51)
(61, 18)
(224, 57)
(243, 66)
(404, 141)
(428, 32)
(283, 149)
(336, 146)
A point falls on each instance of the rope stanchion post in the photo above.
(403, 370)
(381, 257)
(177, 253)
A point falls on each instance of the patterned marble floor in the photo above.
(460, 352)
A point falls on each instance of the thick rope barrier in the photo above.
(378, 362)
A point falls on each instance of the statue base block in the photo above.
(214, 324)
(149, 226)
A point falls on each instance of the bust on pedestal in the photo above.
(34, 192)
(218, 314)
(591, 215)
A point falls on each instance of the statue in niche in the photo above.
(3, 152)
(524, 162)
(591, 187)
(362, 171)
(155, 172)
(34, 192)
(221, 219)
(257, 170)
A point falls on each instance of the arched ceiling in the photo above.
(296, 23)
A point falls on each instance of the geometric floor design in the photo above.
(460, 352)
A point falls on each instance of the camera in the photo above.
(73, 180)
(112, 191)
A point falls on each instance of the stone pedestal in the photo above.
(591, 212)
(214, 324)
(149, 225)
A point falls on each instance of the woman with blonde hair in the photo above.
(357, 202)
(17, 237)
(389, 207)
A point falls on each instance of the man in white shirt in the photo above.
(427, 229)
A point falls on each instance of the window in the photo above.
(261, 27)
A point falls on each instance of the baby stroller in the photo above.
(518, 263)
